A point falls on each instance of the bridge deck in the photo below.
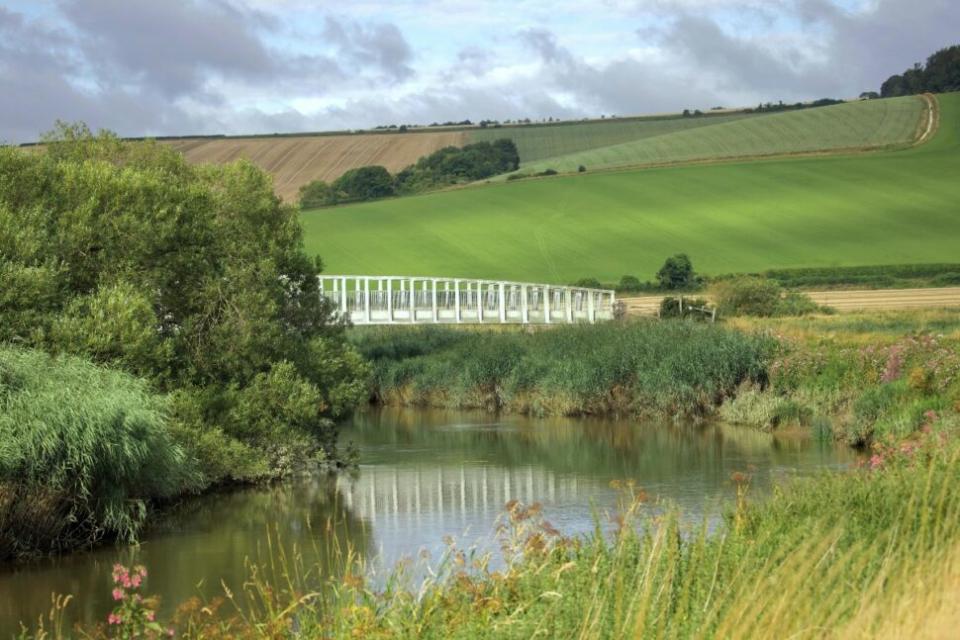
(430, 300)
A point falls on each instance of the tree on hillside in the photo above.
(940, 74)
(363, 183)
(316, 194)
(676, 273)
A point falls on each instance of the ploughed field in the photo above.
(895, 206)
(294, 161)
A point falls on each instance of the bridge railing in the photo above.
(425, 300)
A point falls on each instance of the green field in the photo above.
(891, 207)
(539, 142)
(854, 125)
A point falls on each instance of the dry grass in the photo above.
(294, 161)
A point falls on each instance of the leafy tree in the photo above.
(629, 283)
(676, 273)
(193, 277)
(316, 194)
(364, 183)
(940, 74)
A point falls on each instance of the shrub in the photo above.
(363, 183)
(316, 194)
(695, 308)
(589, 283)
(629, 283)
(82, 450)
(581, 169)
(753, 296)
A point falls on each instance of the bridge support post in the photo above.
(456, 301)
(366, 300)
(413, 301)
(524, 309)
(479, 286)
(502, 300)
(434, 301)
(591, 307)
(343, 296)
(568, 304)
(389, 299)
(546, 304)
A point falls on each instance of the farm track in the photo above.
(843, 300)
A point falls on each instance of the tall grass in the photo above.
(673, 368)
(82, 449)
(866, 553)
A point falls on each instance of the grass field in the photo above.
(539, 142)
(853, 125)
(296, 160)
(891, 207)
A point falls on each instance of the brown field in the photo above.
(842, 300)
(294, 161)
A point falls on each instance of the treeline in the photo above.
(444, 167)
(940, 74)
(193, 282)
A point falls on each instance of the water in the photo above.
(423, 475)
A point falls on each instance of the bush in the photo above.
(629, 283)
(670, 307)
(82, 450)
(317, 194)
(581, 169)
(588, 283)
(753, 296)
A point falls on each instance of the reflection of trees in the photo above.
(192, 547)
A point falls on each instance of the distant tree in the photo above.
(403, 128)
(629, 283)
(676, 273)
(869, 95)
(364, 183)
(589, 283)
(316, 194)
(940, 74)
(686, 113)
(581, 169)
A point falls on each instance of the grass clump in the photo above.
(629, 369)
(82, 450)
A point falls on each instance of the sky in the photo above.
(179, 67)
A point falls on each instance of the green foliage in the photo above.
(453, 165)
(880, 276)
(676, 273)
(940, 74)
(753, 296)
(363, 183)
(696, 308)
(191, 277)
(638, 368)
(82, 450)
(316, 194)
(629, 283)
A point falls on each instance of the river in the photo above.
(422, 476)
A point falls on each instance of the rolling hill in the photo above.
(895, 206)
(854, 125)
(295, 160)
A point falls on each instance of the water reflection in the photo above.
(423, 475)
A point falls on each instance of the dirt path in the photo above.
(843, 300)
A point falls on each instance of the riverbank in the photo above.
(857, 378)
(871, 552)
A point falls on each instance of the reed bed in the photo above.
(642, 367)
(82, 450)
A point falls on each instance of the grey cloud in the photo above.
(169, 46)
(381, 45)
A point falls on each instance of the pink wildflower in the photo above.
(114, 618)
(118, 594)
(135, 581)
(930, 415)
(876, 461)
(151, 616)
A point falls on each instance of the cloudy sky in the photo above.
(155, 67)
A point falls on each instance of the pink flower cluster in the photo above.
(134, 615)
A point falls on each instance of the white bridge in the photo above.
(422, 300)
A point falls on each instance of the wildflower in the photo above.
(114, 618)
(930, 415)
(151, 616)
(118, 594)
(876, 461)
